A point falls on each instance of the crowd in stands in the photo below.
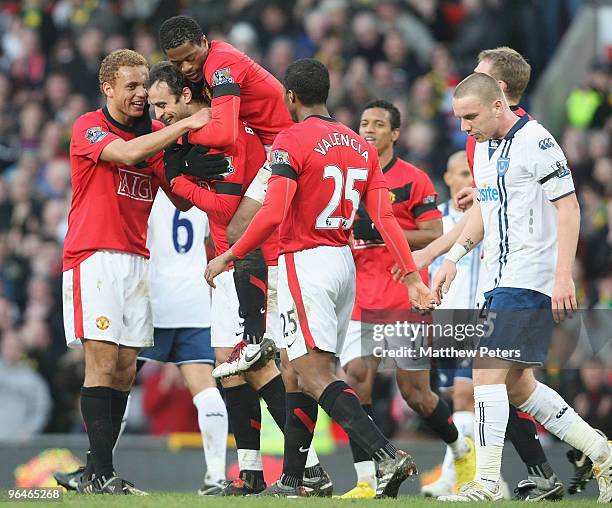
(412, 52)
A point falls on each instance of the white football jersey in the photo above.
(462, 293)
(518, 179)
(180, 295)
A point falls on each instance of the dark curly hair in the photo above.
(309, 79)
(178, 30)
(394, 114)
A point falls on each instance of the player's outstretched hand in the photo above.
(208, 166)
(443, 279)
(563, 298)
(419, 295)
(218, 265)
(199, 119)
(464, 198)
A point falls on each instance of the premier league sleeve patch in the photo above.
(95, 134)
(222, 77)
(279, 157)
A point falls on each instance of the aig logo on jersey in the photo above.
(503, 164)
(134, 185)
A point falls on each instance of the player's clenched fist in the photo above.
(464, 198)
(443, 279)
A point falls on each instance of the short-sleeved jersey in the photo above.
(228, 71)
(517, 179)
(334, 167)
(110, 202)
(414, 200)
(470, 143)
(462, 293)
(179, 293)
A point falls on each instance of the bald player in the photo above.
(525, 194)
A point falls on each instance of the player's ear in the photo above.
(395, 134)
(107, 89)
(187, 95)
(503, 85)
(204, 42)
(447, 178)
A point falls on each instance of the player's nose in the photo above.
(465, 125)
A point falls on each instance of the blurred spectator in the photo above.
(594, 398)
(589, 106)
(167, 402)
(24, 396)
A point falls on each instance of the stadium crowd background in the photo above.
(412, 52)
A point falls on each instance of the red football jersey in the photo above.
(221, 199)
(261, 94)
(111, 202)
(414, 200)
(331, 158)
(470, 144)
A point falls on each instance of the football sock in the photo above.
(523, 434)
(301, 420)
(558, 418)
(364, 465)
(440, 420)
(342, 404)
(212, 419)
(273, 392)
(244, 415)
(119, 401)
(251, 280)
(96, 403)
(491, 406)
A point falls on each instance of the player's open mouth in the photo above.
(192, 77)
(138, 104)
(370, 139)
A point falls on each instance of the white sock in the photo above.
(249, 459)
(366, 472)
(312, 459)
(490, 422)
(123, 421)
(559, 418)
(459, 447)
(212, 418)
(464, 421)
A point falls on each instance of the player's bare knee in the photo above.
(463, 401)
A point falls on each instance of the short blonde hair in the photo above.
(118, 58)
(480, 85)
(509, 66)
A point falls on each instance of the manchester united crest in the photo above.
(102, 323)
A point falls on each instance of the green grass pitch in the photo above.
(184, 500)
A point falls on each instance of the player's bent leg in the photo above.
(541, 482)
(415, 388)
(560, 419)
(317, 372)
(360, 374)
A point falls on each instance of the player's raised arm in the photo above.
(138, 149)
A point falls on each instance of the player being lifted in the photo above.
(116, 168)
(174, 100)
(512, 72)
(381, 299)
(320, 171)
(529, 261)
(239, 90)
